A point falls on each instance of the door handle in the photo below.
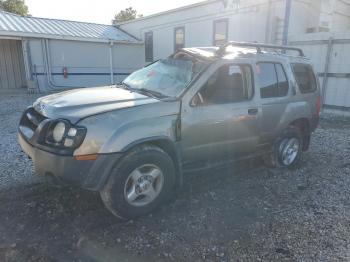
(253, 111)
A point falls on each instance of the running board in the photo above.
(202, 166)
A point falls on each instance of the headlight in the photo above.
(58, 132)
(62, 134)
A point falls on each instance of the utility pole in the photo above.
(286, 22)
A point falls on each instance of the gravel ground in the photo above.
(15, 167)
(244, 212)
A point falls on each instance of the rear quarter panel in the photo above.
(278, 113)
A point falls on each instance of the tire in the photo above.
(281, 149)
(124, 182)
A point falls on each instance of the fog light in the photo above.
(68, 142)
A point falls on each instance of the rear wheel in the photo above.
(141, 182)
(287, 149)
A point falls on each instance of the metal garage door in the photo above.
(12, 74)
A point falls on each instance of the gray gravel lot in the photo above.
(244, 212)
(15, 167)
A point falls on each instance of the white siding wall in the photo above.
(341, 15)
(193, 38)
(87, 63)
(338, 88)
(336, 14)
(83, 58)
(247, 23)
(37, 62)
(126, 59)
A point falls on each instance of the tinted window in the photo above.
(268, 80)
(229, 84)
(283, 84)
(220, 32)
(179, 38)
(272, 79)
(149, 46)
(305, 77)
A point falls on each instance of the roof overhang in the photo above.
(20, 35)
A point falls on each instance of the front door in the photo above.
(223, 119)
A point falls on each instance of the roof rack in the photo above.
(258, 46)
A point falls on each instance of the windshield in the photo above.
(168, 77)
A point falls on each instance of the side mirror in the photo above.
(196, 100)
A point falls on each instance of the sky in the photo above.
(98, 11)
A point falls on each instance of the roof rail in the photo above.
(258, 46)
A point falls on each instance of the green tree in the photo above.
(126, 15)
(14, 6)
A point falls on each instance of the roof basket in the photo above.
(258, 46)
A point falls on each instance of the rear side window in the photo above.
(305, 77)
(272, 79)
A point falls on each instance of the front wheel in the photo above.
(141, 182)
(287, 149)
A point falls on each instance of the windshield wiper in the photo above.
(124, 86)
(152, 93)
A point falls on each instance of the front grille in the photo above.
(30, 121)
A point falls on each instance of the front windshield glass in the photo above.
(168, 77)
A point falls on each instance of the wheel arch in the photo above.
(304, 126)
(168, 146)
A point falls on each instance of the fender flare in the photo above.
(169, 146)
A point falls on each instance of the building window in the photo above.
(179, 37)
(149, 46)
(220, 32)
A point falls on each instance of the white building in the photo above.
(52, 55)
(57, 54)
(213, 22)
(335, 15)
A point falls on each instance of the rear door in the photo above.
(275, 91)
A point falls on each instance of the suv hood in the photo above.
(80, 103)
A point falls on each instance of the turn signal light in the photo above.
(86, 157)
(318, 105)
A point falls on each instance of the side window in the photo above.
(220, 32)
(283, 84)
(272, 79)
(268, 80)
(305, 78)
(179, 37)
(229, 84)
(149, 46)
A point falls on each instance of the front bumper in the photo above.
(88, 174)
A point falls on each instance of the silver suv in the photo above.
(199, 108)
